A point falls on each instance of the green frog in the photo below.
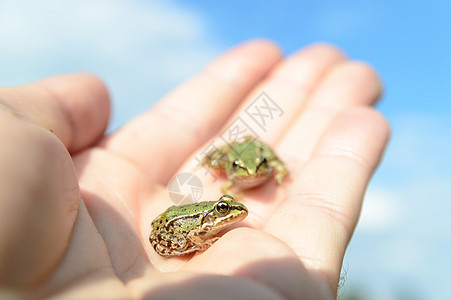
(193, 227)
(247, 163)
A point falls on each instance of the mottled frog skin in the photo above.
(193, 227)
(247, 163)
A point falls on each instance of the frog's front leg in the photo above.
(215, 159)
(227, 187)
(199, 247)
(275, 162)
(204, 245)
(198, 244)
(280, 169)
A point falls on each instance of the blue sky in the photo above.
(144, 48)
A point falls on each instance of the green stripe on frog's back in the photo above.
(176, 212)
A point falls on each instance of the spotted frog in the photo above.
(247, 163)
(188, 228)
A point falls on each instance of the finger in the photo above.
(343, 85)
(159, 140)
(113, 201)
(195, 285)
(289, 86)
(39, 199)
(86, 266)
(269, 109)
(262, 258)
(323, 205)
(346, 85)
(74, 107)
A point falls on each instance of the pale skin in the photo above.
(54, 244)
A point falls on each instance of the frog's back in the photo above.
(176, 212)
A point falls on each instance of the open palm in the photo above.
(83, 232)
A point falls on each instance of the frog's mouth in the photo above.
(249, 182)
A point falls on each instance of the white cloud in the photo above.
(421, 143)
(404, 227)
(381, 211)
(140, 48)
(110, 26)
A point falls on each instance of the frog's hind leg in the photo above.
(170, 244)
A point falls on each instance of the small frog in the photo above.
(247, 164)
(188, 228)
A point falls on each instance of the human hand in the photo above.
(54, 244)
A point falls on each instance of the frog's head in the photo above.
(224, 212)
(249, 168)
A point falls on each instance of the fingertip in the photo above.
(86, 86)
(305, 66)
(368, 119)
(254, 58)
(359, 134)
(364, 78)
(263, 45)
(367, 73)
(65, 83)
(325, 49)
(85, 102)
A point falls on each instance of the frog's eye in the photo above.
(226, 198)
(236, 164)
(263, 162)
(222, 207)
